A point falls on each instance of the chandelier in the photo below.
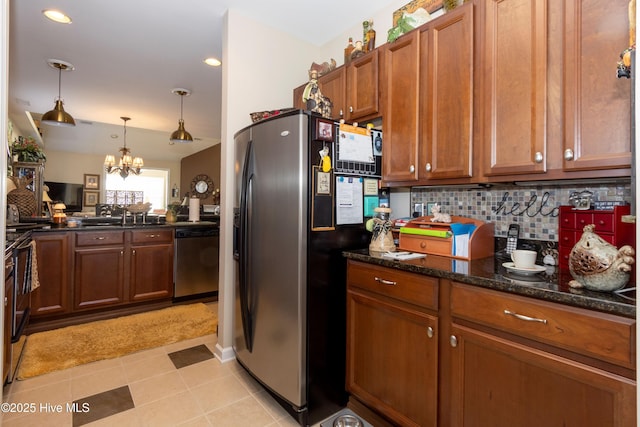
(127, 164)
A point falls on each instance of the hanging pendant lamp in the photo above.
(57, 116)
(181, 135)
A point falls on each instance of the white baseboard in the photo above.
(225, 354)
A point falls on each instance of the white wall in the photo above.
(260, 68)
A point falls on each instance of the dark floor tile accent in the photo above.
(102, 405)
(189, 356)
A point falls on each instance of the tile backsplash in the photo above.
(533, 208)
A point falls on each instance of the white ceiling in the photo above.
(129, 55)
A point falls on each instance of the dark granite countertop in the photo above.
(129, 226)
(550, 285)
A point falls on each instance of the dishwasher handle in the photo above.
(182, 233)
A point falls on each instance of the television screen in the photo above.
(69, 194)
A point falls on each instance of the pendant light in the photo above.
(181, 135)
(57, 116)
(127, 164)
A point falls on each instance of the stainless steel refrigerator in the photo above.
(290, 294)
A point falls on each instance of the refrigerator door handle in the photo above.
(243, 246)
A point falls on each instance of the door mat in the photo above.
(71, 346)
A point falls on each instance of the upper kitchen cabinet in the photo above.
(552, 105)
(514, 104)
(427, 82)
(446, 96)
(352, 89)
(362, 95)
(400, 79)
(596, 103)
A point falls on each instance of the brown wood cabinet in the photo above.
(53, 296)
(111, 268)
(99, 265)
(446, 96)
(499, 380)
(151, 274)
(392, 351)
(362, 96)
(401, 81)
(432, 352)
(514, 57)
(596, 103)
(428, 86)
(550, 92)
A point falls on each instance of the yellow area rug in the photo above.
(105, 339)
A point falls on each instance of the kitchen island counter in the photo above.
(550, 285)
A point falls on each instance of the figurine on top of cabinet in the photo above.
(597, 265)
(313, 98)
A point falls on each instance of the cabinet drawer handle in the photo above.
(385, 282)
(568, 154)
(99, 238)
(427, 167)
(525, 318)
(412, 168)
(430, 332)
(538, 158)
(453, 340)
(351, 109)
(151, 236)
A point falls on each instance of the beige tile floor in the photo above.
(206, 393)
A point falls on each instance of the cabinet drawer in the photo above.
(413, 288)
(582, 219)
(604, 222)
(603, 336)
(152, 236)
(98, 238)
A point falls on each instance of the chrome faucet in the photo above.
(124, 216)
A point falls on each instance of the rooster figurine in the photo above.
(597, 265)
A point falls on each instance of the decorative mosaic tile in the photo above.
(534, 209)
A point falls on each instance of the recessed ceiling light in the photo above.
(214, 62)
(57, 16)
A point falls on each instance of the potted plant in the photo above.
(172, 212)
(26, 149)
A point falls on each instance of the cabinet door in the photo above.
(99, 277)
(53, 296)
(446, 94)
(392, 359)
(514, 61)
(333, 86)
(151, 274)
(297, 97)
(362, 87)
(597, 104)
(496, 382)
(401, 101)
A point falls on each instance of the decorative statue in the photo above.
(439, 217)
(597, 265)
(313, 98)
(624, 65)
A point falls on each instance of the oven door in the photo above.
(22, 288)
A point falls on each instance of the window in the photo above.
(150, 186)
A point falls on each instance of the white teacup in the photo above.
(523, 258)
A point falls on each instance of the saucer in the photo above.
(524, 271)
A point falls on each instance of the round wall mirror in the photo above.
(201, 186)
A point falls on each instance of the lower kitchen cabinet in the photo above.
(53, 296)
(392, 351)
(151, 272)
(99, 263)
(498, 382)
(423, 351)
(86, 270)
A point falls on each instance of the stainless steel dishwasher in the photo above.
(196, 261)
